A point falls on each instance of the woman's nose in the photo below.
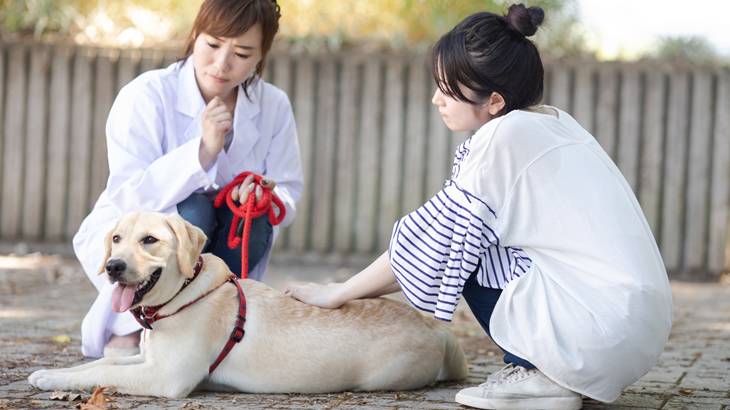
(437, 98)
(221, 61)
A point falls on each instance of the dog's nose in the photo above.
(115, 268)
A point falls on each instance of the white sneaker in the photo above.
(515, 387)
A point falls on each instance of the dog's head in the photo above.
(148, 257)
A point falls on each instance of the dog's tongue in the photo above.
(122, 297)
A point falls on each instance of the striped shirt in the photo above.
(436, 248)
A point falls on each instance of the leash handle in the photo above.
(244, 213)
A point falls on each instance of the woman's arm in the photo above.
(375, 280)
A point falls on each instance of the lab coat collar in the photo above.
(190, 102)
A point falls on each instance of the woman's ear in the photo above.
(495, 104)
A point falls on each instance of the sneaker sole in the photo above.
(542, 403)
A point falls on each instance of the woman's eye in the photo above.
(116, 238)
(211, 45)
(149, 239)
(243, 56)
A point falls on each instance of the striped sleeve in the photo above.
(434, 249)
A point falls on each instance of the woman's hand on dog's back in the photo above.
(216, 122)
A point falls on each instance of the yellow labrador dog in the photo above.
(288, 347)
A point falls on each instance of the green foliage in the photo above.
(691, 49)
(37, 16)
(312, 23)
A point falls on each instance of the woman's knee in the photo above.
(198, 210)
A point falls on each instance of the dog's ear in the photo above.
(190, 242)
(107, 249)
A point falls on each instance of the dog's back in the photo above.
(370, 344)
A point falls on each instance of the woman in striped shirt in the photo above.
(536, 228)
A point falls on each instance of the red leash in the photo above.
(244, 214)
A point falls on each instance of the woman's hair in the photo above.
(489, 53)
(231, 18)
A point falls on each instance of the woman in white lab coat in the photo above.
(175, 136)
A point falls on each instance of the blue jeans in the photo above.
(216, 222)
(481, 301)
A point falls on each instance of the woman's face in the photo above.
(460, 115)
(221, 64)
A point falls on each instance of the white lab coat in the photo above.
(153, 137)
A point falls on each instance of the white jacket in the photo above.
(595, 309)
(153, 138)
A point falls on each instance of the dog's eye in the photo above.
(116, 238)
(148, 240)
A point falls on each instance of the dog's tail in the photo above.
(454, 366)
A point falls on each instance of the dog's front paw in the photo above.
(47, 380)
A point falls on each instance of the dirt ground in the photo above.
(44, 298)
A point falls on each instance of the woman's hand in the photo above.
(216, 122)
(241, 192)
(325, 296)
(375, 280)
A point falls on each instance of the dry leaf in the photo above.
(97, 401)
(61, 339)
(686, 392)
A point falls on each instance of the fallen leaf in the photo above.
(61, 339)
(97, 401)
(686, 392)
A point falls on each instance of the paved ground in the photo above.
(42, 301)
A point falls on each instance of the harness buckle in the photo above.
(237, 334)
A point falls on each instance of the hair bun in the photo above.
(525, 20)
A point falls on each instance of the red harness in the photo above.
(147, 315)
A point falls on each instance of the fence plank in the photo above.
(674, 170)
(4, 50)
(719, 238)
(391, 163)
(560, 88)
(281, 77)
(35, 146)
(127, 68)
(650, 182)
(438, 151)
(58, 144)
(81, 146)
(630, 126)
(104, 81)
(607, 109)
(695, 238)
(583, 94)
(345, 172)
(13, 147)
(304, 114)
(547, 85)
(151, 60)
(369, 150)
(415, 139)
(324, 154)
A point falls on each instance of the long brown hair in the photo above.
(231, 18)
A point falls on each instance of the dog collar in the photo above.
(146, 315)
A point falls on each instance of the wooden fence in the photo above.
(372, 145)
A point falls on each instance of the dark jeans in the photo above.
(216, 222)
(481, 301)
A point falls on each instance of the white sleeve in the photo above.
(282, 163)
(141, 175)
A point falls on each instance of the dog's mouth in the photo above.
(126, 295)
(146, 286)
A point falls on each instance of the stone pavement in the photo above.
(43, 299)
